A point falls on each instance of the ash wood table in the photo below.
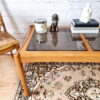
(59, 47)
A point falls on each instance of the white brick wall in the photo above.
(19, 14)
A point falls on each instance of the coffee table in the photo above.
(59, 47)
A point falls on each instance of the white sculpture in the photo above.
(86, 14)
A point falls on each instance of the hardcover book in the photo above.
(84, 31)
(78, 23)
(85, 28)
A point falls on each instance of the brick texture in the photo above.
(19, 14)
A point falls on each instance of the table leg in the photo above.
(21, 74)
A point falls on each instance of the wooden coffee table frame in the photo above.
(24, 56)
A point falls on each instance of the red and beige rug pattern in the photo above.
(61, 81)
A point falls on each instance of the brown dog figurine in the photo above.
(54, 25)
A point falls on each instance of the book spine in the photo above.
(85, 28)
(82, 25)
(84, 31)
(85, 24)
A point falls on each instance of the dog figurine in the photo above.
(54, 25)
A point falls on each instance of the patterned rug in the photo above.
(61, 81)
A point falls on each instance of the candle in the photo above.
(41, 25)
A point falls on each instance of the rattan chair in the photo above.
(7, 42)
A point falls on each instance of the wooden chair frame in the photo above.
(11, 46)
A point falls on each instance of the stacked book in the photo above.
(90, 29)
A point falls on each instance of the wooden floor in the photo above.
(8, 78)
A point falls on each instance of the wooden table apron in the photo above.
(23, 56)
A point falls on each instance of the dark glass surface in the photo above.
(55, 41)
(95, 44)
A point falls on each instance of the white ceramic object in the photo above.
(41, 25)
(86, 14)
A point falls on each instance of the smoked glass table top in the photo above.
(60, 41)
(95, 44)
